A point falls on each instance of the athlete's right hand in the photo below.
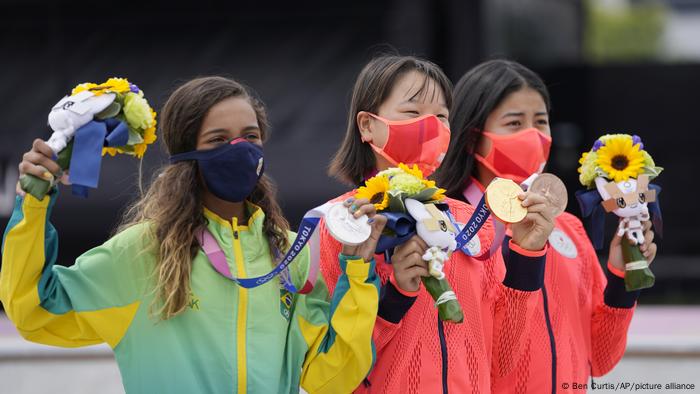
(38, 162)
(366, 249)
(408, 264)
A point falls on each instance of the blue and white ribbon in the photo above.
(306, 233)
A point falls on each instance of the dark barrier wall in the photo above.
(657, 102)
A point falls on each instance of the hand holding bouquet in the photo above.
(620, 169)
(96, 119)
(414, 205)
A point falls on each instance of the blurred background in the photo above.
(629, 66)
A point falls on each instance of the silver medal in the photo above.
(346, 228)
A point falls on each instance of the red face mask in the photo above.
(422, 141)
(516, 156)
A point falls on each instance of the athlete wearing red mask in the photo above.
(500, 125)
(399, 113)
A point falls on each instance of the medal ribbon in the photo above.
(307, 232)
(472, 193)
(473, 225)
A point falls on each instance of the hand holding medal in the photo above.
(502, 199)
(356, 225)
(553, 190)
(530, 214)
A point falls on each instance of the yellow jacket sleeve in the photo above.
(91, 302)
(339, 333)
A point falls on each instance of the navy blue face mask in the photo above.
(231, 170)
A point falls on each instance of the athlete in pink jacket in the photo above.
(500, 127)
(392, 100)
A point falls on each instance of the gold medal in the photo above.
(502, 199)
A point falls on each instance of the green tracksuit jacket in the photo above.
(230, 339)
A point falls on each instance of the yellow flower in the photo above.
(82, 87)
(110, 151)
(439, 195)
(620, 159)
(140, 149)
(413, 171)
(149, 136)
(114, 85)
(588, 169)
(376, 191)
(581, 161)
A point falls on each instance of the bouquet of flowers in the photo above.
(96, 119)
(413, 205)
(619, 170)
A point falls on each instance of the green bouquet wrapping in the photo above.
(637, 273)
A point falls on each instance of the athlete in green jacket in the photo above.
(178, 325)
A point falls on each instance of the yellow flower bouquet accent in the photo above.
(616, 157)
(389, 188)
(411, 204)
(617, 170)
(376, 191)
(95, 120)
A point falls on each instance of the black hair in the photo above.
(476, 95)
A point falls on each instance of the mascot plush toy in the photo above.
(433, 226)
(618, 171)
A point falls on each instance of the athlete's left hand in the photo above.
(648, 248)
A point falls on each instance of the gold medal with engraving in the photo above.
(502, 199)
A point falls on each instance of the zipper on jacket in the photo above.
(505, 252)
(552, 343)
(242, 314)
(443, 350)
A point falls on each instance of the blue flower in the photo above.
(597, 145)
(637, 140)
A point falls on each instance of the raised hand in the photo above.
(39, 162)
